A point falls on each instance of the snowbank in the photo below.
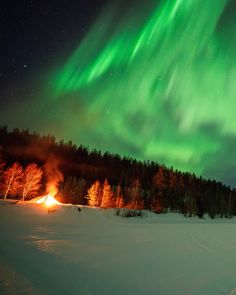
(92, 251)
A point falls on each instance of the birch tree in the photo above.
(31, 181)
(12, 178)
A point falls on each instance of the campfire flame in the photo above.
(54, 177)
(52, 190)
(48, 201)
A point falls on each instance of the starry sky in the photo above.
(154, 80)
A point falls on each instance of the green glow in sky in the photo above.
(159, 84)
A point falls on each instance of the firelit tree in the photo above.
(12, 178)
(158, 191)
(135, 192)
(31, 181)
(119, 200)
(95, 194)
(107, 196)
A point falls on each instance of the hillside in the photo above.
(132, 183)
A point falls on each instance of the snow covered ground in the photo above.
(95, 252)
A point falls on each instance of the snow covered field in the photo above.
(95, 252)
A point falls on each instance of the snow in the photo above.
(64, 251)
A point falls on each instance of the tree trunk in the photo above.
(8, 188)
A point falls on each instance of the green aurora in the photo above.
(153, 80)
(161, 83)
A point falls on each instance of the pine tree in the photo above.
(190, 204)
(95, 195)
(119, 203)
(74, 190)
(2, 164)
(69, 190)
(12, 178)
(107, 196)
(81, 186)
(160, 179)
(159, 190)
(135, 191)
(31, 181)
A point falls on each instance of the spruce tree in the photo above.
(107, 196)
(135, 191)
(94, 194)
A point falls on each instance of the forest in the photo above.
(30, 162)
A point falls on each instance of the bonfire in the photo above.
(54, 177)
(47, 200)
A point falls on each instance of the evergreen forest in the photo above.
(102, 179)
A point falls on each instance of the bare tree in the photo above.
(12, 180)
(31, 181)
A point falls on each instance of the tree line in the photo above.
(109, 180)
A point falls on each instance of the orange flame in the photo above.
(52, 189)
(48, 201)
(54, 176)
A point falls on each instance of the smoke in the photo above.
(54, 176)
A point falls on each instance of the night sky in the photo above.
(155, 80)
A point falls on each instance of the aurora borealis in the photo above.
(153, 81)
